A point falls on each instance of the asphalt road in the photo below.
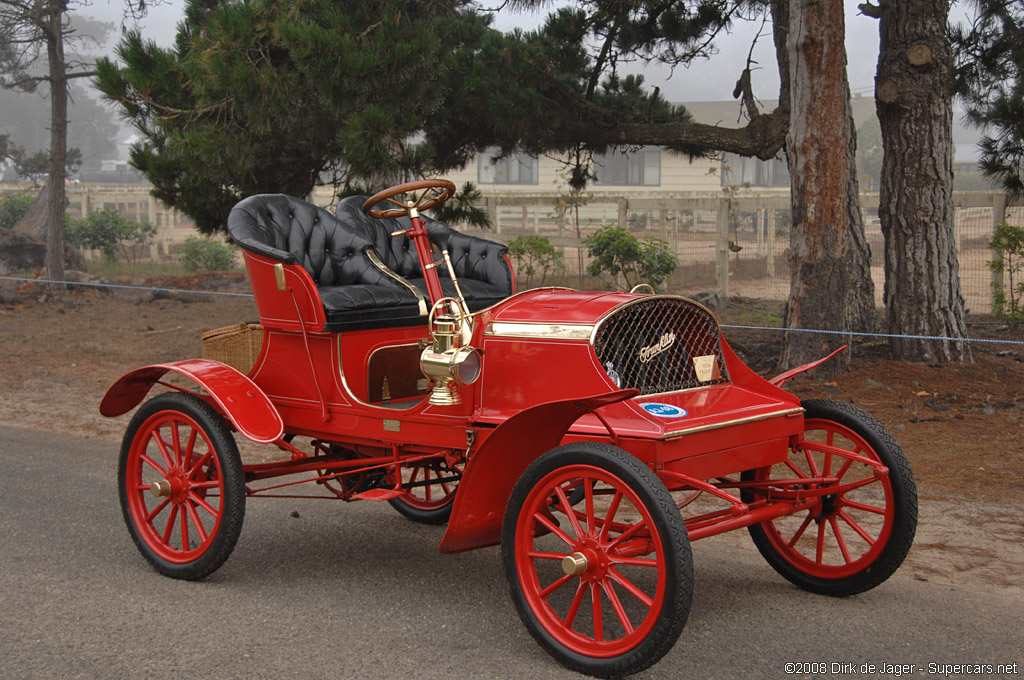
(356, 591)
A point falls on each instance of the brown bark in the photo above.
(830, 286)
(762, 137)
(58, 143)
(913, 101)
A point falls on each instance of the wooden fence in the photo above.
(731, 242)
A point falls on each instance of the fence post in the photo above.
(722, 249)
(492, 213)
(153, 247)
(998, 215)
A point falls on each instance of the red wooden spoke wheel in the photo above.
(603, 585)
(429, 498)
(181, 485)
(851, 540)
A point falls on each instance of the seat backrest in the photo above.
(397, 254)
(472, 257)
(291, 230)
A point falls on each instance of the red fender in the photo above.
(232, 393)
(783, 378)
(495, 468)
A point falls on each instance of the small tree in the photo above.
(1008, 301)
(568, 205)
(462, 208)
(616, 251)
(535, 255)
(112, 234)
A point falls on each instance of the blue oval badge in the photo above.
(663, 410)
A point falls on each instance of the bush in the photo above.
(13, 208)
(534, 255)
(1008, 301)
(203, 254)
(111, 233)
(618, 252)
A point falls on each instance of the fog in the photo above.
(705, 80)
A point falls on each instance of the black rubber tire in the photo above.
(222, 543)
(436, 516)
(431, 516)
(675, 546)
(904, 505)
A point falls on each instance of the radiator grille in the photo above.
(650, 345)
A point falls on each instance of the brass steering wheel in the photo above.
(435, 192)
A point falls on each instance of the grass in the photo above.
(144, 269)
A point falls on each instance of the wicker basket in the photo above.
(238, 346)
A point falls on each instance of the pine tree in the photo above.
(913, 98)
(270, 96)
(989, 65)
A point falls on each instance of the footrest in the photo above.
(379, 494)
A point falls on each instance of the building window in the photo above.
(739, 171)
(515, 168)
(629, 168)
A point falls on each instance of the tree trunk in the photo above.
(830, 263)
(58, 144)
(914, 104)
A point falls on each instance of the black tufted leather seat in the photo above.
(335, 251)
(480, 265)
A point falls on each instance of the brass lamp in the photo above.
(445, 362)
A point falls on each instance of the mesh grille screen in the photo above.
(650, 345)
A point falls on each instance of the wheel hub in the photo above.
(172, 486)
(589, 561)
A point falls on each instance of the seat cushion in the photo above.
(363, 296)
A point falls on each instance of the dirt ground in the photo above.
(962, 426)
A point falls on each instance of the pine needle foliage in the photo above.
(989, 53)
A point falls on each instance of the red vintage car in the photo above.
(584, 432)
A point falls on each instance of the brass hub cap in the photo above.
(589, 561)
(574, 564)
(161, 488)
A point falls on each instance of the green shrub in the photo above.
(111, 233)
(534, 255)
(618, 252)
(13, 208)
(206, 255)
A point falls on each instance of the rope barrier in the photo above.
(737, 327)
(873, 335)
(116, 285)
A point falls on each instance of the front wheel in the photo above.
(181, 485)
(605, 584)
(852, 540)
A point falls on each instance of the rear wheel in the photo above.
(181, 485)
(852, 540)
(431, 492)
(603, 585)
